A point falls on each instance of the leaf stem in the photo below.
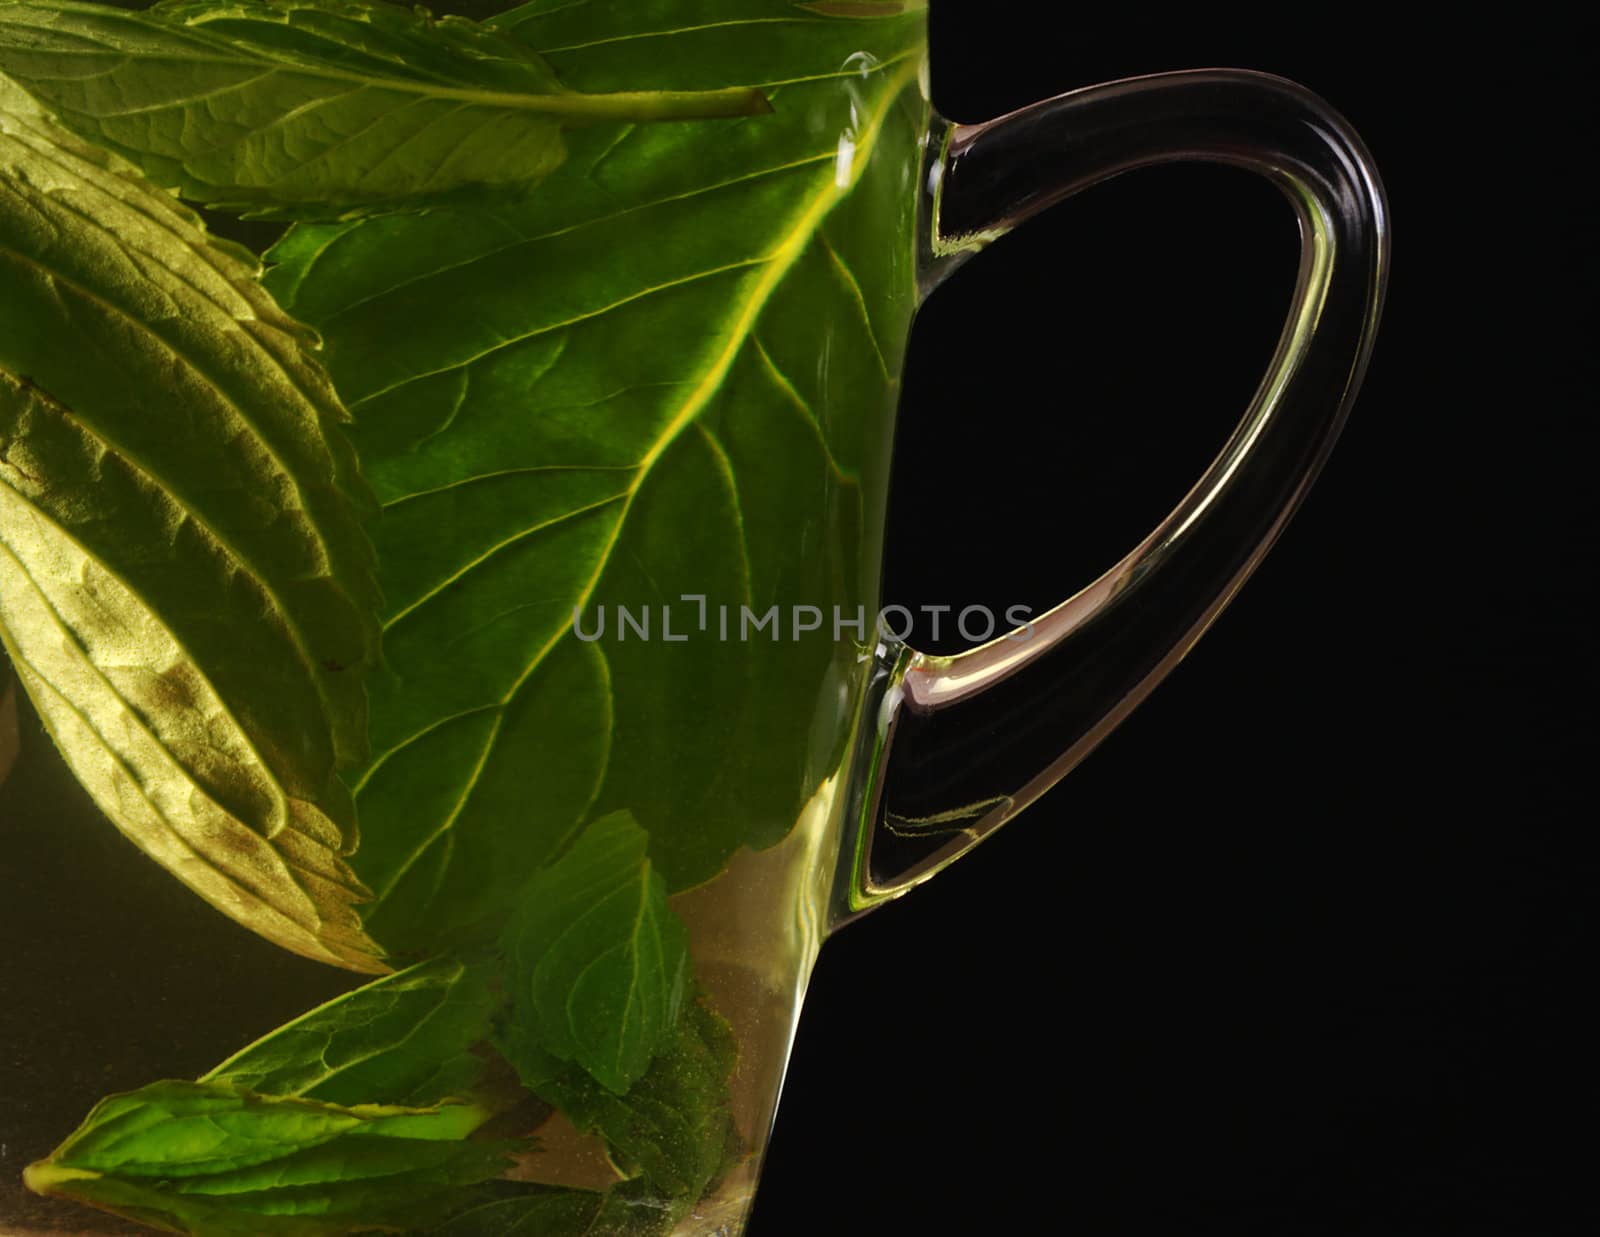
(655, 104)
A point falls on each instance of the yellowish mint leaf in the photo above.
(186, 591)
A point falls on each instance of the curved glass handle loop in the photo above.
(962, 744)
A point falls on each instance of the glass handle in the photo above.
(961, 744)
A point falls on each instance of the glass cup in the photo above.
(639, 736)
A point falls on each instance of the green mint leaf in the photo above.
(596, 962)
(674, 1128)
(612, 394)
(403, 1039)
(215, 1159)
(186, 591)
(314, 108)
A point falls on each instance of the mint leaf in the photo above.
(596, 963)
(402, 1039)
(216, 1159)
(611, 394)
(186, 591)
(674, 1128)
(314, 108)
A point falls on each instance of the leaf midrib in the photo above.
(729, 101)
(778, 266)
(777, 269)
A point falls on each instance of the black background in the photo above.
(1306, 947)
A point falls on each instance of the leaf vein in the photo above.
(828, 194)
(523, 240)
(377, 762)
(666, 34)
(524, 336)
(853, 288)
(725, 471)
(519, 536)
(463, 482)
